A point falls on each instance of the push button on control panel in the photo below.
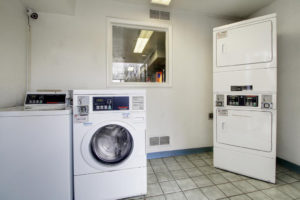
(266, 105)
(267, 102)
(219, 103)
(83, 110)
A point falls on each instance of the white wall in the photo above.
(13, 34)
(288, 77)
(69, 52)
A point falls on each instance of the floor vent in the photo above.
(164, 140)
(162, 15)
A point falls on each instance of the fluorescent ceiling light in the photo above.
(162, 2)
(140, 45)
(142, 41)
(130, 69)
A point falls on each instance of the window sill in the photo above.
(139, 85)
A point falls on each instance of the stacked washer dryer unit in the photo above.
(245, 90)
(109, 144)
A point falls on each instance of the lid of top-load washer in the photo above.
(19, 111)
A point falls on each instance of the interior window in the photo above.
(139, 55)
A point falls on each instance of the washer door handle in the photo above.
(223, 125)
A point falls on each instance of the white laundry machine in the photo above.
(245, 134)
(109, 144)
(245, 93)
(35, 149)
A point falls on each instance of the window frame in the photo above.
(167, 28)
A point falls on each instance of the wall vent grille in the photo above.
(164, 140)
(154, 141)
(154, 14)
(162, 15)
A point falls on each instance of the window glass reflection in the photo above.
(139, 55)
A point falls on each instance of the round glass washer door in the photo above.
(111, 144)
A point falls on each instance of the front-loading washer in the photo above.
(109, 129)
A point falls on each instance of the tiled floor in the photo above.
(192, 177)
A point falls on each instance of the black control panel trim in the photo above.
(45, 99)
(242, 100)
(241, 87)
(110, 103)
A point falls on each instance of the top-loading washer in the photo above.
(109, 144)
(35, 149)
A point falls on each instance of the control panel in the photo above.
(110, 103)
(242, 100)
(45, 99)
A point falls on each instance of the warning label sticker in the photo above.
(222, 35)
(81, 118)
(138, 103)
(222, 112)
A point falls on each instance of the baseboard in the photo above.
(289, 165)
(180, 152)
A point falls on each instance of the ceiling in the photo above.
(221, 8)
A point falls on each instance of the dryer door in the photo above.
(250, 44)
(245, 128)
(111, 144)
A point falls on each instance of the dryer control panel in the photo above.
(110, 103)
(242, 100)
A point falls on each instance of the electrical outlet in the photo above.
(210, 116)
